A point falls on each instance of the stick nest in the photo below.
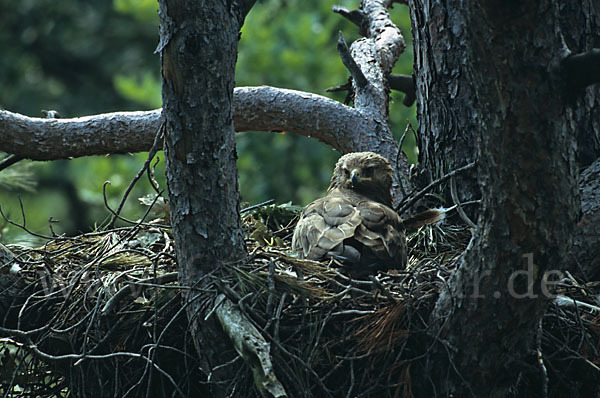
(102, 314)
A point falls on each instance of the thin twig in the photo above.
(410, 200)
(23, 226)
(342, 87)
(127, 290)
(134, 223)
(9, 161)
(540, 358)
(140, 173)
(458, 205)
(265, 203)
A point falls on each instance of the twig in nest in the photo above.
(278, 317)
(140, 173)
(308, 368)
(350, 63)
(457, 203)
(135, 223)
(151, 173)
(129, 289)
(271, 286)
(23, 226)
(349, 393)
(410, 200)
(540, 358)
(265, 203)
(382, 288)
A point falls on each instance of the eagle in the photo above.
(354, 222)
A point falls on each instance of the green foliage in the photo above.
(83, 58)
(292, 44)
(144, 11)
(19, 177)
(144, 89)
(78, 58)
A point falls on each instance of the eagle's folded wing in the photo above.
(382, 233)
(323, 226)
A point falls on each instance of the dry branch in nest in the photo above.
(102, 314)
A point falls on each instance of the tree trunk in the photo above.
(489, 88)
(584, 258)
(447, 139)
(198, 45)
(580, 26)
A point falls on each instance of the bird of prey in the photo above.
(354, 222)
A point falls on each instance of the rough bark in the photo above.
(375, 56)
(445, 94)
(254, 108)
(52, 139)
(580, 25)
(198, 46)
(442, 91)
(488, 88)
(585, 253)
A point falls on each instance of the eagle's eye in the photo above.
(368, 172)
(346, 172)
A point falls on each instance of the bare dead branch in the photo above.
(376, 55)
(255, 109)
(250, 345)
(350, 64)
(268, 108)
(342, 87)
(406, 84)
(50, 139)
(581, 70)
(354, 16)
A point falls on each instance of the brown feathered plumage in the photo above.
(354, 222)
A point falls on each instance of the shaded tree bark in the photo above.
(198, 46)
(489, 88)
(447, 139)
(585, 254)
(261, 108)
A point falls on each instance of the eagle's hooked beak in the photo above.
(355, 177)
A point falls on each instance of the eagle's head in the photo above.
(366, 173)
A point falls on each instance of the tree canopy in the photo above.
(86, 59)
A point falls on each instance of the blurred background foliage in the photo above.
(88, 57)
